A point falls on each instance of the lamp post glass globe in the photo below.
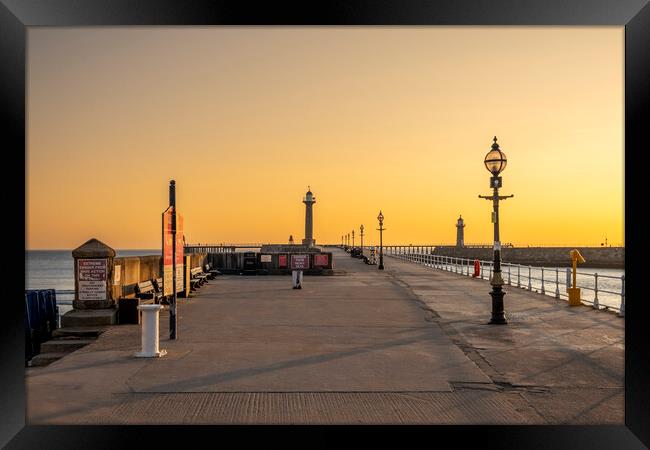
(495, 160)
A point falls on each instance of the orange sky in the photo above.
(391, 118)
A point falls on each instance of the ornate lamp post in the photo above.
(361, 229)
(341, 240)
(381, 228)
(348, 240)
(352, 238)
(495, 162)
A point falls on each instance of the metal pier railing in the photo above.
(608, 290)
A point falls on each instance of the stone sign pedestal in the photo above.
(93, 303)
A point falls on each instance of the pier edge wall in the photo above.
(135, 269)
(596, 257)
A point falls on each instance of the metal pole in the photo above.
(530, 285)
(172, 307)
(543, 291)
(518, 279)
(557, 283)
(498, 311)
(381, 246)
(568, 277)
(596, 305)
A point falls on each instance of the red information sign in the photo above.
(282, 260)
(167, 236)
(321, 260)
(299, 262)
(180, 252)
(168, 249)
(179, 239)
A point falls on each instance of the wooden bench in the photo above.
(158, 286)
(145, 290)
(211, 272)
(197, 278)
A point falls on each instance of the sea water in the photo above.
(54, 269)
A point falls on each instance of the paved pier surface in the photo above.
(409, 345)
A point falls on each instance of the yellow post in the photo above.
(574, 292)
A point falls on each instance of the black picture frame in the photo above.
(17, 15)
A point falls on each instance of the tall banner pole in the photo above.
(172, 308)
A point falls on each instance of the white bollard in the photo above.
(296, 277)
(150, 331)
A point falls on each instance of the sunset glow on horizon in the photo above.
(390, 118)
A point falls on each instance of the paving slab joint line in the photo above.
(498, 386)
(456, 338)
(532, 406)
(534, 389)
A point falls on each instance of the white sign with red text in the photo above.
(91, 279)
(299, 262)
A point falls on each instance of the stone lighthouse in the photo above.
(460, 234)
(309, 200)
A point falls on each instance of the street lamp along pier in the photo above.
(495, 162)
(381, 228)
(361, 235)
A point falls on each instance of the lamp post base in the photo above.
(380, 267)
(498, 313)
(498, 320)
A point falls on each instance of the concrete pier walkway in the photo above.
(409, 345)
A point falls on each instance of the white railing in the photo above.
(544, 280)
